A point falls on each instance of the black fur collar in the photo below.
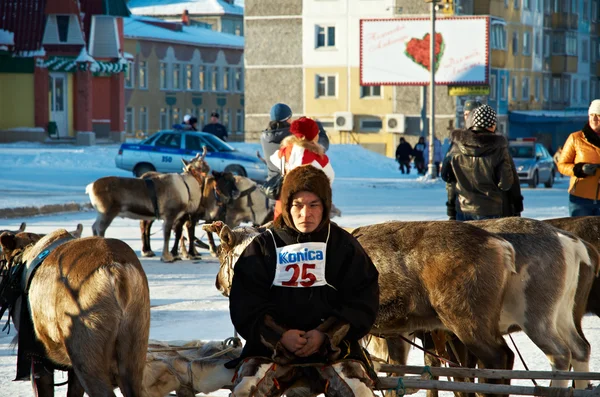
(591, 136)
(476, 138)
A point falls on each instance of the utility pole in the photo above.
(431, 169)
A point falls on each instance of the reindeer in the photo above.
(19, 230)
(87, 310)
(175, 195)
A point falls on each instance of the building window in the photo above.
(571, 46)
(574, 6)
(129, 121)
(163, 76)
(536, 90)
(238, 29)
(547, 88)
(558, 43)
(594, 10)
(585, 50)
(516, 4)
(62, 23)
(575, 98)
(214, 78)
(547, 7)
(586, 5)
(176, 83)
(513, 89)
(143, 122)
(143, 75)
(371, 125)
(556, 90)
(546, 45)
(525, 89)
(202, 78)
(498, 36)
(493, 87)
(538, 5)
(526, 4)
(537, 45)
(526, 43)
(506, 3)
(164, 118)
(593, 88)
(326, 86)
(566, 89)
(129, 75)
(175, 116)
(226, 119)
(239, 120)
(503, 88)
(325, 36)
(226, 79)
(370, 91)
(584, 91)
(239, 79)
(189, 77)
(593, 46)
(515, 43)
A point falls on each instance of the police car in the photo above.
(534, 163)
(164, 150)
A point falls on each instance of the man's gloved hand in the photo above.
(590, 169)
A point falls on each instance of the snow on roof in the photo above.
(6, 37)
(176, 7)
(552, 113)
(136, 28)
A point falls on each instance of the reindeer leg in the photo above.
(167, 227)
(75, 389)
(191, 233)
(145, 229)
(102, 223)
(428, 359)
(42, 381)
(211, 244)
(178, 228)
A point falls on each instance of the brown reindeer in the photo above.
(427, 281)
(19, 230)
(546, 298)
(176, 195)
(88, 307)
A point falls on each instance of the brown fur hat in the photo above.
(305, 178)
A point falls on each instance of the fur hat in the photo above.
(305, 178)
(305, 128)
(594, 107)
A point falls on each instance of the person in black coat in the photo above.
(403, 153)
(303, 294)
(216, 128)
(419, 157)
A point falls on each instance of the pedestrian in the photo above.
(470, 105)
(193, 123)
(301, 148)
(403, 153)
(216, 128)
(437, 155)
(302, 322)
(580, 159)
(480, 164)
(419, 159)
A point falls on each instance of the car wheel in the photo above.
(141, 169)
(236, 170)
(535, 181)
(550, 181)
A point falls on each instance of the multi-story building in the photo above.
(177, 70)
(61, 71)
(539, 51)
(220, 15)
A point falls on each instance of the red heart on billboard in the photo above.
(419, 50)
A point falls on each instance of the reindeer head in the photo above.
(233, 243)
(15, 243)
(226, 187)
(197, 165)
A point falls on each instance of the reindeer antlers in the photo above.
(204, 151)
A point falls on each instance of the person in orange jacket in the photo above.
(580, 159)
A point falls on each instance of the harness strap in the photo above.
(152, 191)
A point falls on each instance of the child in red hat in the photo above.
(301, 148)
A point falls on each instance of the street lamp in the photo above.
(431, 168)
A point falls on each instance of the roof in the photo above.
(544, 116)
(24, 18)
(142, 28)
(176, 7)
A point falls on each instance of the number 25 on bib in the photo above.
(301, 265)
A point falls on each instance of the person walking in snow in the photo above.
(418, 156)
(403, 153)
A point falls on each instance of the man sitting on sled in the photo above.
(304, 292)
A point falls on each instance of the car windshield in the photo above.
(218, 144)
(521, 152)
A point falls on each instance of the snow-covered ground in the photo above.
(185, 304)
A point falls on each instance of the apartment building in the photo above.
(176, 70)
(542, 68)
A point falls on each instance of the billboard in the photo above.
(397, 51)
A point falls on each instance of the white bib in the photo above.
(300, 265)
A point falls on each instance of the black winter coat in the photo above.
(404, 151)
(217, 129)
(481, 165)
(353, 300)
(512, 200)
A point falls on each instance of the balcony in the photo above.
(563, 64)
(499, 58)
(563, 21)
